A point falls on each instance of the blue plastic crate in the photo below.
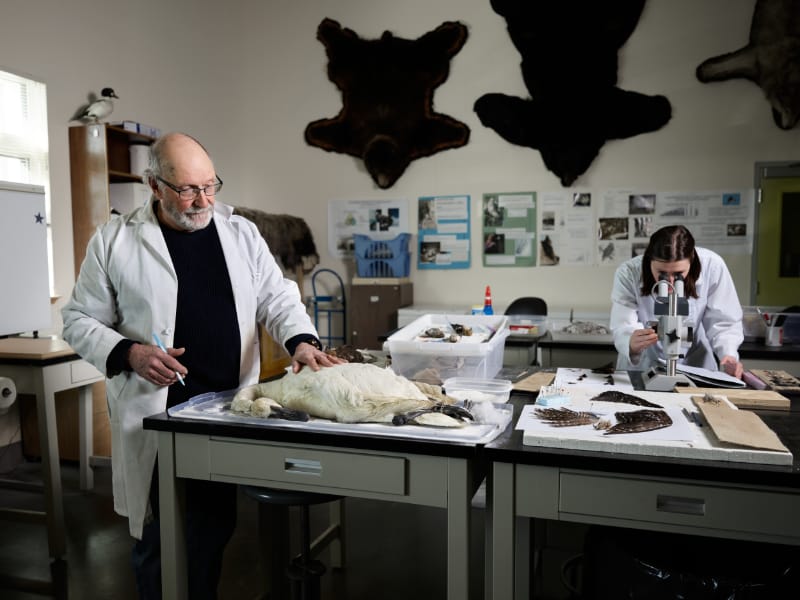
(366, 247)
(398, 266)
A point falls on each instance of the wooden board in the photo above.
(738, 427)
(746, 398)
(780, 381)
(534, 382)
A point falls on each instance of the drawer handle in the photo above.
(302, 465)
(685, 506)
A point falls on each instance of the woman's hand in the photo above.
(641, 339)
(732, 366)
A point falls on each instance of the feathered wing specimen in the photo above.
(771, 59)
(617, 396)
(638, 421)
(353, 393)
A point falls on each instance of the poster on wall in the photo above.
(379, 219)
(719, 220)
(566, 228)
(509, 229)
(444, 232)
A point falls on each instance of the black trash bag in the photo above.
(642, 565)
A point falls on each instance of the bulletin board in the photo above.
(509, 229)
(444, 232)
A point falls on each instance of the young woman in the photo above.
(714, 309)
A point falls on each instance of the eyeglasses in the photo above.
(190, 192)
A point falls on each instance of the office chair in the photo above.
(529, 305)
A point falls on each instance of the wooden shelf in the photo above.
(99, 155)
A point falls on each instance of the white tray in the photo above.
(683, 439)
(215, 406)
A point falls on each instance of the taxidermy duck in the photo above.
(98, 108)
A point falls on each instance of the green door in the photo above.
(777, 272)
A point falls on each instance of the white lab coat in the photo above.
(127, 288)
(715, 314)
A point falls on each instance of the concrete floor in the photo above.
(394, 551)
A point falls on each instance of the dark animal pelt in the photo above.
(387, 117)
(569, 66)
(771, 59)
(289, 239)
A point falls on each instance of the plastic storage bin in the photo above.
(532, 325)
(478, 390)
(366, 247)
(479, 356)
(382, 258)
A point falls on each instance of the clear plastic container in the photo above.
(478, 390)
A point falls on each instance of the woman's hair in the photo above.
(671, 244)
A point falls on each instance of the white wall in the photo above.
(247, 76)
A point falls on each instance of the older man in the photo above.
(184, 268)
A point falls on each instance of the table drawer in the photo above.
(310, 466)
(81, 371)
(732, 508)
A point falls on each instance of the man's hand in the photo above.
(155, 365)
(732, 366)
(306, 354)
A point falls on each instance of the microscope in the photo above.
(671, 306)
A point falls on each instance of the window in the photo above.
(23, 139)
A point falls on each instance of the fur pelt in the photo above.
(387, 118)
(288, 238)
(569, 65)
(771, 59)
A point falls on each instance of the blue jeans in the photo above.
(210, 522)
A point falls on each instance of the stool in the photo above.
(298, 578)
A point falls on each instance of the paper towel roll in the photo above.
(8, 394)
(140, 154)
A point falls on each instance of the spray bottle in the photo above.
(487, 302)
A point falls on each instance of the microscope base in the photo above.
(658, 381)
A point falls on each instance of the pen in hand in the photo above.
(160, 344)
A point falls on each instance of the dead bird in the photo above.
(617, 396)
(354, 393)
(433, 332)
(346, 352)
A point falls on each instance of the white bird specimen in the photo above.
(352, 393)
(98, 108)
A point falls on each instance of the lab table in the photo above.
(700, 497)
(425, 472)
(588, 353)
(44, 366)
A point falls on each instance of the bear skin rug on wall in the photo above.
(569, 66)
(771, 59)
(387, 118)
